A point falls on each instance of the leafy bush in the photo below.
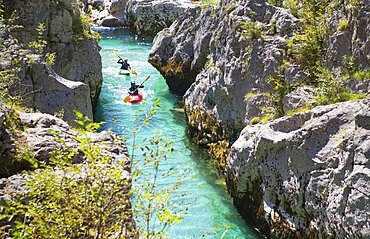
(92, 199)
(250, 30)
(330, 89)
(361, 75)
(343, 24)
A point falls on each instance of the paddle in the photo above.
(131, 70)
(127, 98)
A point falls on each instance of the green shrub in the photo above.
(278, 3)
(330, 89)
(230, 8)
(361, 75)
(250, 30)
(92, 199)
(343, 24)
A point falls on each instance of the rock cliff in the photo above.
(306, 174)
(143, 17)
(250, 61)
(77, 54)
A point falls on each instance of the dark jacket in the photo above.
(125, 65)
(134, 89)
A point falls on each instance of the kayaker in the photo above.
(134, 88)
(125, 65)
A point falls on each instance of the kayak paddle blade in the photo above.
(126, 99)
(133, 72)
(116, 53)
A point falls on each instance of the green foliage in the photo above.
(82, 30)
(349, 64)
(343, 24)
(205, 4)
(330, 89)
(91, 199)
(361, 75)
(278, 3)
(306, 47)
(299, 110)
(250, 30)
(66, 200)
(38, 47)
(154, 210)
(50, 58)
(230, 7)
(249, 95)
(248, 51)
(280, 87)
(9, 54)
(353, 3)
(255, 120)
(39, 44)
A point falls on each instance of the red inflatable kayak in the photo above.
(133, 98)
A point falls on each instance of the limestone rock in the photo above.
(117, 6)
(298, 98)
(181, 51)
(77, 56)
(309, 172)
(111, 21)
(353, 39)
(149, 17)
(41, 142)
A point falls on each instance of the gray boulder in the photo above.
(52, 94)
(180, 52)
(298, 98)
(307, 174)
(117, 6)
(77, 55)
(149, 17)
(236, 78)
(32, 131)
(111, 21)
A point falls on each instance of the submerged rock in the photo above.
(307, 174)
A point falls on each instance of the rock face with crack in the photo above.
(66, 34)
(307, 174)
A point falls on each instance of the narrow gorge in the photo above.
(265, 104)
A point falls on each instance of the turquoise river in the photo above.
(208, 207)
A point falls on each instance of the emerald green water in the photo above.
(207, 203)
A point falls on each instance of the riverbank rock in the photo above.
(245, 51)
(37, 134)
(305, 175)
(143, 17)
(149, 17)
(41, 136)
(66, 34)
(180, 52)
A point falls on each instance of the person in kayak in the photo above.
(125, 65)
(134, 88)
